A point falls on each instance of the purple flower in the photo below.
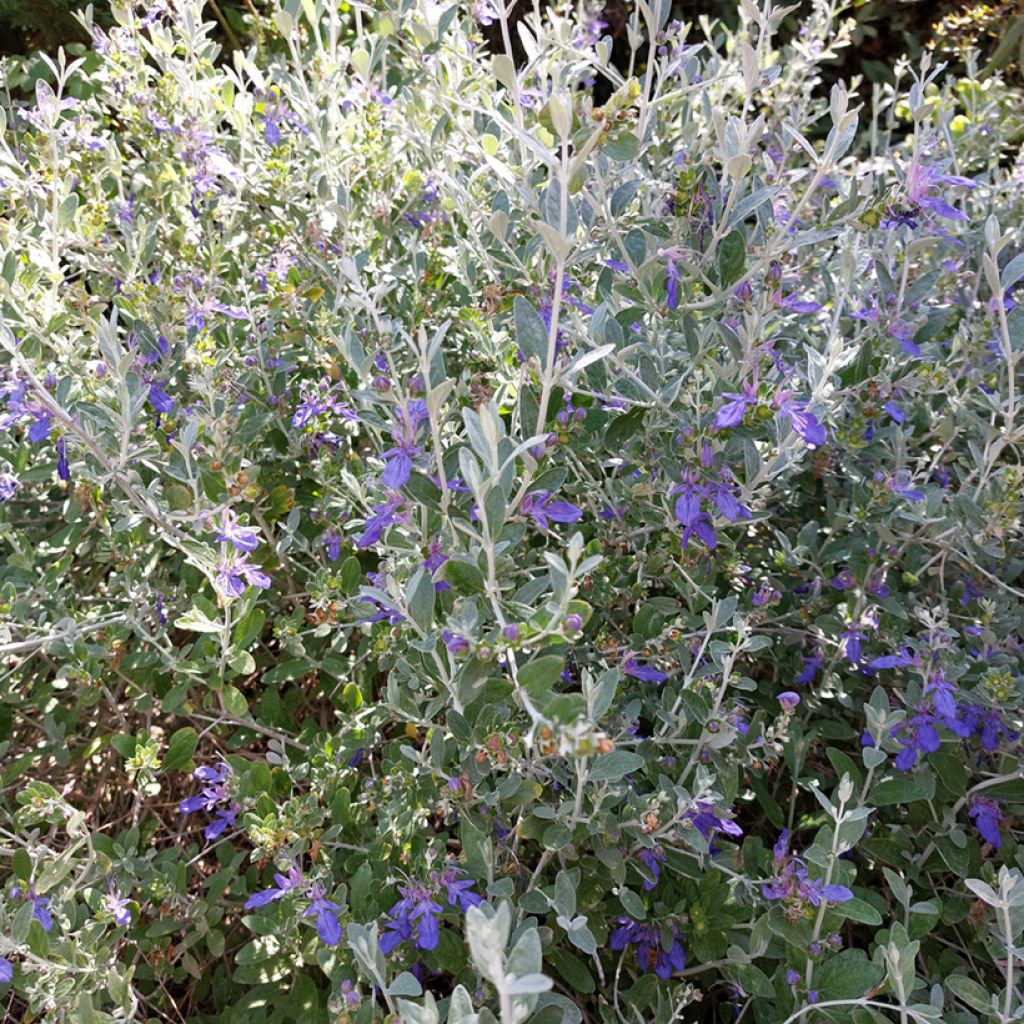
(918, 736)
(792, 883)
(484, 12)
(456, 644)
(689, 505)
(236, 575)
(332, 541)
(9, 487)
(457, 888)
(214, 794)
(648, 940)
(6, 971)
(813, 664)
(796, 305)
(385, 613)
(850, 641)
(671, 283)
(285, 884)
(413, 918)
(195, 315)
(40, 428)
(876, 585)
(398, 460)
(691, 494)
(905, 337)
(764, 595)
(942, 693)
(642, 672)
(898, 484)
(162, 403)
(243, 538)
(702, 529)
(383, 516)
(707, 820)
(543, 511)
(805, 424)
(323, 910)
(894, 411)
(901, 659)
(117, 905)
(40, 905)
(63, 470)
(733, 413)
(923, 181)
(987, 819)
(307, 410)
(224, 817)
(789, 701)
(652, 861)
(41, 910)
(987, 724)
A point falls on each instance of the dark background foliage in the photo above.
(886, 29)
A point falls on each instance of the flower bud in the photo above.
(789, 701)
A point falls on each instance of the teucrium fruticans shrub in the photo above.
(472, 554)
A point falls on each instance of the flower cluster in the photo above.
(415, 918)
(792, 883)
(320, 908)
(215, 798)
(658, 947)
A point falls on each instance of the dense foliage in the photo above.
(475, 554)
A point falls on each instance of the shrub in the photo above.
(475, 554)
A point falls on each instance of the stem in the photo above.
(548, 372)
(225, 642)
(1010, 957)
(823, 905)
(517, 108)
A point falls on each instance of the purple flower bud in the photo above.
(572, 623)
(350, 992)
(511, 633)
(456, 644)
(789, 701)
(792, 977)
